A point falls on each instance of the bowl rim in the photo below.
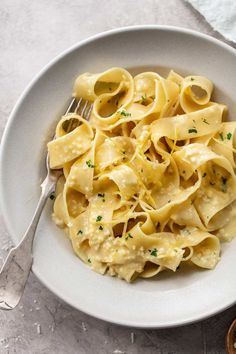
(7, 130)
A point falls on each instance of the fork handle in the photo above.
(48, 187)
(16, 268)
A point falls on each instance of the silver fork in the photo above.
(16, 268)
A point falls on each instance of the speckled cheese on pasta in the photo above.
(148, 183)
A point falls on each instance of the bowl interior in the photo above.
(170, 299)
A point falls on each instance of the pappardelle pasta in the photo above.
(148, 182)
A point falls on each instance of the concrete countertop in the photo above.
(31, 34)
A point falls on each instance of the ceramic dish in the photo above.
(170, 299)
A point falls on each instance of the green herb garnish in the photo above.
(79, 232)
(192, 130)
(99, 218)
(143, 98)
(124, 113)
(128, 236)
(89, 260)
(52, 196)
(101, 227)
(102, 195)
(229, 136)
(153, 252)
(89, 164)
(192, 79)
(205, 121)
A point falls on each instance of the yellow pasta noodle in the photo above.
(149, 182)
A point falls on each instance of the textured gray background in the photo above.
(31, 34)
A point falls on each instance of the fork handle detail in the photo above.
(16, 268)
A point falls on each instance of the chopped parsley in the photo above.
(192, 130)
(205, 121)
(224, 184)
(221, 136)
(102, 195)
(89, 260)
(204, 174)
(124, 113)
(52, 196)
(101, 227)
(99, 218)
(144, 97)
(153, 252)
(229, 136)
(192, 79)
(79, 232)
(128, 236)
(89, 164)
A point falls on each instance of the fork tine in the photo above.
(89, 111)
(70, 106)
(71, 110)
(84, 108)
(78, 105)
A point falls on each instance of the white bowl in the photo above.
(170, 299)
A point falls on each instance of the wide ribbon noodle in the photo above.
(148, 182)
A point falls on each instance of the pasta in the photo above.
(148, 182)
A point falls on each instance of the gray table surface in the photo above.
(31, 34)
